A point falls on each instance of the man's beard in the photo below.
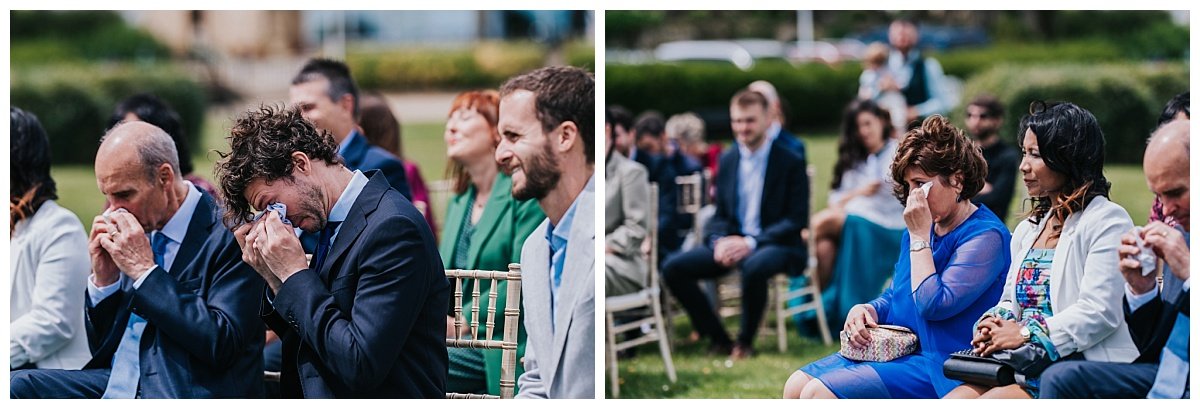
(541, 176)
(311, 205)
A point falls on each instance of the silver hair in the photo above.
(688, 127)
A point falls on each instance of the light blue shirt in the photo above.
(341, 208)
(557, 236)
(175, 230)
(752, 175)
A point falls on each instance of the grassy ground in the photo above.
(77, 189)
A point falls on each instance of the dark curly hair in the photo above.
(561, 94)
(850, 146)
(261, 144)
(29, 167)
(1071, 143)
(938, 148)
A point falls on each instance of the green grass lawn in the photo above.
(77, 189)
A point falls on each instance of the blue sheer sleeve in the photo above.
(974, 265)
(883, 305)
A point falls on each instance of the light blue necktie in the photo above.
(126, 368)
(1173, 369)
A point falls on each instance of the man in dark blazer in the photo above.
(762, 204)
(364, 319)
(328, 97)
(172, 315)
(1158, 320)
(776, 129)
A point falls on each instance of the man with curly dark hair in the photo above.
(364, 319)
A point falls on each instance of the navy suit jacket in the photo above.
(1151, 325)
(361, 155)
(662, 171)
(784, 211)
(370, 322)
(792, 142)
(203, 338)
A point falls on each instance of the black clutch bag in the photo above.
(971, 368)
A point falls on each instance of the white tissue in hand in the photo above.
(1146, 256)
(926, 186)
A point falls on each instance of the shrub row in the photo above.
(75, 101)
(1125, 98)
(484, 65)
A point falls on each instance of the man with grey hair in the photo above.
(172, 309)
(1158, 316)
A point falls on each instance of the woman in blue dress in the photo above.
(953, 270)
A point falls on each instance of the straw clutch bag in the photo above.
(888, 342)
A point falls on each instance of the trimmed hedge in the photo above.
(484, 65)
(74, 102)
(814, 94)
(1125, 98)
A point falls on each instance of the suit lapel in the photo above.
(452, 226)
(535, 293)
(355, 222)
(356, 150)
(498, 203)
(198, 229)
(581, 253)
(772, 179)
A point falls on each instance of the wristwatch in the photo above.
(1025, 333)
(918, 245)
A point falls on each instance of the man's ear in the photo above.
(165, 174)
(568, 136)
(301, 163)
(346, 101)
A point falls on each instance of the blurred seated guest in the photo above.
(171, 307)
(547, 145)
(622, 127)
(762, 204)
(382, 129)
(777, 128)
(150, 109)
(951, 269)
(650, 137)
(48, 271)
(870, 85)
(367, 317)
(1179, 107)
(857, 238)
(327, 96)
(1158, 319)
(1064, 288)
(984, 115)
(626, 220)
(485, 229)
(680, 129)
(685, 133)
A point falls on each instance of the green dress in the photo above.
(491, 244)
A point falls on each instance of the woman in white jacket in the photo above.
(1064, 290)
(49, 264)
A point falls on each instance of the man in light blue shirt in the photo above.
(548, 146)
(762, 204)
(919, 78)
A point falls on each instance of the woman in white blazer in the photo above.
(49, 263)
(1064, 290)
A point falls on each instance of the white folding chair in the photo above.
(469, 334)
(648, 297)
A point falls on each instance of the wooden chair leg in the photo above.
(611, 353)
(664, 344)
(781, 290)
(822, 321)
